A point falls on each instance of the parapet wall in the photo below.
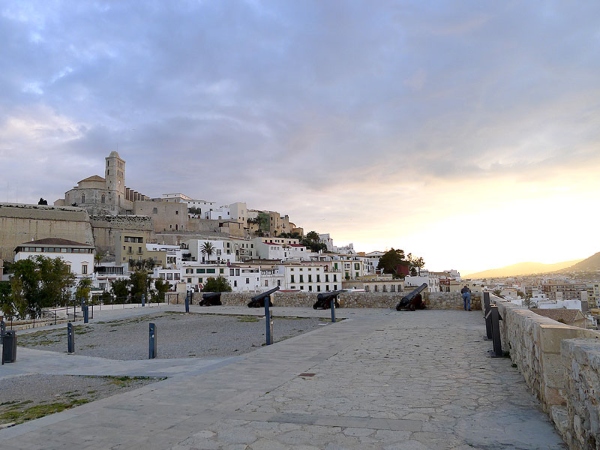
(561, 364)
(450, 300)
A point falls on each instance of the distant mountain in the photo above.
(526, 268)
(587, 265)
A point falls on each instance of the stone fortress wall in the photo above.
(20, 223)
(105, 227)
(561, 364)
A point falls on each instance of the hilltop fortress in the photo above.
(97, 208)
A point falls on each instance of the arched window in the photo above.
(103, 199)
(82, 198)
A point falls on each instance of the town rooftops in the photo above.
(567, 316)
(52, 242)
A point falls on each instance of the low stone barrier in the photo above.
(560, 363)
(437, 300)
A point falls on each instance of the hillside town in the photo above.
(105, 231)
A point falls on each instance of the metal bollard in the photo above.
(187, 302)
(488, 318)
(152, 342)
(495, 319)
(86, 314)
(143, 300)
(332, 307)
(269, 322)
(70, 338)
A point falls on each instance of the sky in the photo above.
(464, 132)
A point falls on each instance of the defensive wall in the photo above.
(105, 227)
(348, 299)
(20, 223)
(561, 364)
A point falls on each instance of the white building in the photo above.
(174, 253)
(79, 257)
(222, 250)
(433, 283)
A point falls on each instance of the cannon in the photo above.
(324, 300)
(413, 300)
(259, 300)
(211, 299)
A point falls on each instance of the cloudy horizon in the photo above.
(464, 132)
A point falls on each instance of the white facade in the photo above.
(79, 257)
(222, 250)
(310, 277)
(433, 283)
(174, 253)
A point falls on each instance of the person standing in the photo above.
(466, 295)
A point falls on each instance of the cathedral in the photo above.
(104, 196)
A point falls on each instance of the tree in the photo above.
(120, 290)
(390, 261)
(138, 285)
(416, 264)
(312, 242)
(84, 288)
(207, 250)
(219, 284)
(40, 282)
(162, 287)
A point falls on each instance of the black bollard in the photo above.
(143, 300)
(495, 318)
(332, 306)
(488, 318)
(269, 322)
(86, 314)
(70, 338)
(187, 302)
(152, 342)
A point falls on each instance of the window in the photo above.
(301, 278)
(334, 278)
(154, 210)
(318, 278)
(310, 278)
(247, 280)
(234, 283)
(84, 269)
(211, 270)
(292, 279)
(82, 198)
(356, 266)
(103, 199)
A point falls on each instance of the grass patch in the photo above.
(17, 415)
(248, 319)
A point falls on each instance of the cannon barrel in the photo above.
(405, 301)
(328, 295)
(264, 295)
(208, 295)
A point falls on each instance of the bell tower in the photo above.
(115, 179)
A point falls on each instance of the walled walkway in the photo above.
(380, 380)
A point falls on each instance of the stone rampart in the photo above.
(439, 300)
(21, 223)
(105, 227)
(560, 363)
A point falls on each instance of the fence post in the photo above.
(332, 307)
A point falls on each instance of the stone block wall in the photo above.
(22, 223)
(449, 300)
(542, 350)
(581, 359)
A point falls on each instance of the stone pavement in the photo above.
(381, 379)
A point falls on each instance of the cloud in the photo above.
(335, 112)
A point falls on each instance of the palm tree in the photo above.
(207, 250)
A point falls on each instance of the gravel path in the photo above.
(178, 336)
